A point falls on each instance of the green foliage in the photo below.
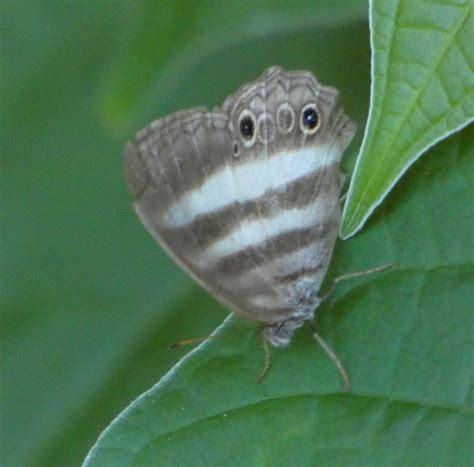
(90, 304)
(422, 91)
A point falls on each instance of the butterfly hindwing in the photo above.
(245, 197)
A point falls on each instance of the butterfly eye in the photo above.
(247, 127)
(309, 119)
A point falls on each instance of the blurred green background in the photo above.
(90, 304)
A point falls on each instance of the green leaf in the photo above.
(405, 336)
(422, 91)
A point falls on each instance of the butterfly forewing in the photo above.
(245, 197)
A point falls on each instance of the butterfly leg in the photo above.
(332, 356)
(267, 359)
(350, 275)
(329, 352)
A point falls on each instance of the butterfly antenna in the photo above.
(333, 357)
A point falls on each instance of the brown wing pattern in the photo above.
(245, 197)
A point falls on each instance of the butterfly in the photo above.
(246, 197)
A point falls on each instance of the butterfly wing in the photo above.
(293, 212)
(243, 198)
(180, 171)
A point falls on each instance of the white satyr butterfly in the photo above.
(246, 197)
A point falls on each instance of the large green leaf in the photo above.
(405, 337)
(422, 91)
(89, 303)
